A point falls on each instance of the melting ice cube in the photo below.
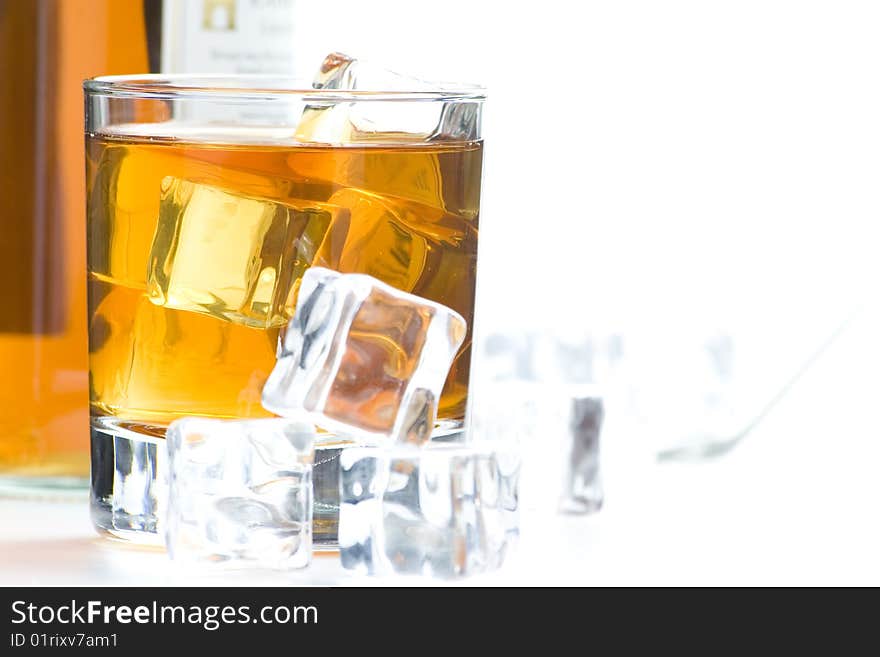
(373, 119)
(539, 390)
(364, 358)
(445, 510)
(558, 429)
(231, 256)
(240, 492)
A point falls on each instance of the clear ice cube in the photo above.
(363, 358)
(343, 121)
(240, 492)
(229, 255)
(326, 481)
(558, 430)
(340, 71)
(445, 510)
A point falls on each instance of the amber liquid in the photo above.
(47, 47)
(406, 215)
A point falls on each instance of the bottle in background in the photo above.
(47, 48)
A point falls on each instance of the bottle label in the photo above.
(228, 36)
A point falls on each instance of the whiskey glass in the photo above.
(208, 197)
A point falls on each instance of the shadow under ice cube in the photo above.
(444, 510)
(363, 358)
(229, 255)
(240, 492)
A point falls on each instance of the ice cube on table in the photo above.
(363, 358)
(240, 492)
(557, 428)
(365, 120)
(446, 510)
(232, 256)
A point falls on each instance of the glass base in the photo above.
(48, 475)
(127, 488)
(128, 484)
(44, 488)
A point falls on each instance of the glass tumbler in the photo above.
(207, 200)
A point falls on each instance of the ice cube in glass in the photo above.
(363, 358)
(231, 255)
(383, 118)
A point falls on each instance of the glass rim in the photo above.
(264, 87)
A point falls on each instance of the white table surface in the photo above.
(795, 503)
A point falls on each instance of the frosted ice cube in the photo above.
(240, 492)
(363, 358)
(230, 255)
(445, 510)
(335, 121)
